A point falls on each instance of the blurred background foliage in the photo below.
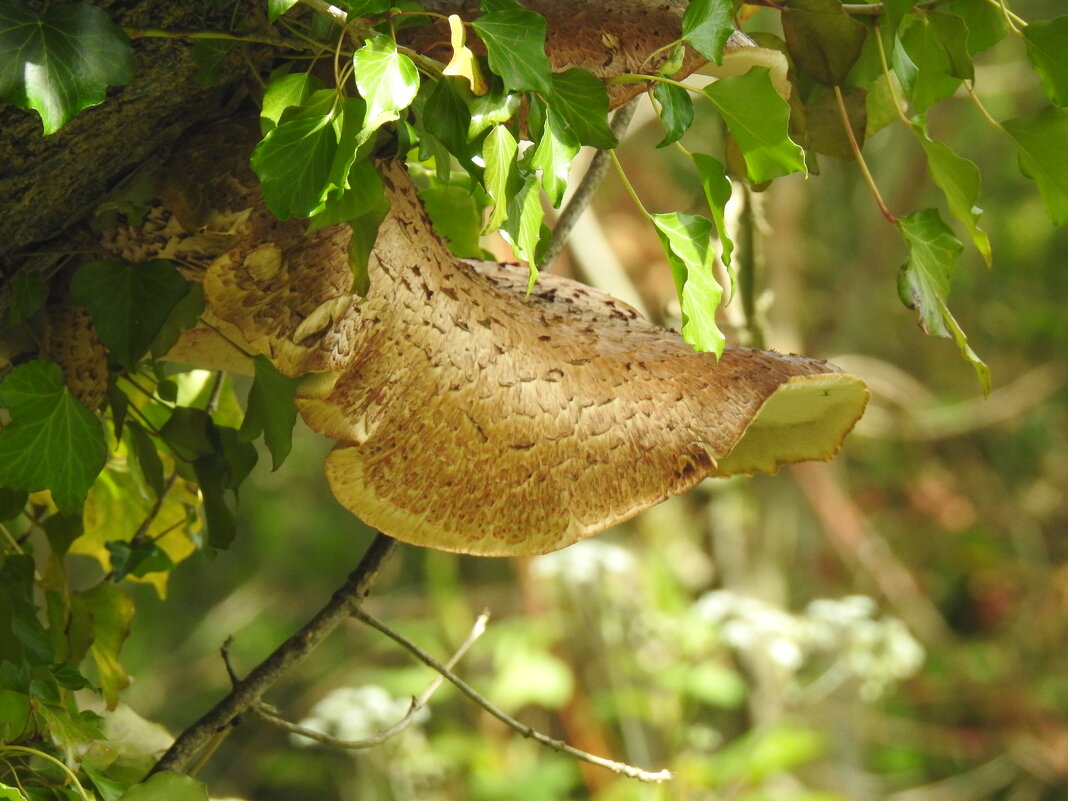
(888, 626)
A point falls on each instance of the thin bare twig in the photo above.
(557, 745)
(587, 186)
(268, 715)
(215, 723)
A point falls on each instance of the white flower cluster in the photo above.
(846, 633)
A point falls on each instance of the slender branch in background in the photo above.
(844, 115)
(267, 714)
(849, 529)
(587, 186)
(221, 718)
(747, 272)
(157, 33)
(557, 745)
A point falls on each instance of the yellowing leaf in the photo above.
(463, 63)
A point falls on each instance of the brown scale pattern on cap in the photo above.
(471, 417)
(476, 419)
(71, 342)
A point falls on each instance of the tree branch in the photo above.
(557, 745)
(248, 691)
(262, 711)
(586, 188)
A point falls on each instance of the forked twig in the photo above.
(267, 715)
(217, 722)
(557, 745)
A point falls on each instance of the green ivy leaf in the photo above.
(294, 159)
(363, 191)
(706, 26)
(717, 188)
(276, 8)
(823, 40)
(823, 121)
(285, 91)
(113, 610)
(213, 475)
(500, 179)
(60, 61)
(387, 80)
(515, 47)
(924, 282)
(522, 228)
(759, 119)
(923, 64)
(29, 290)
(1040, 145)
(22, 636)
(985, 21)
(686, 239)
(14, 717)
(52, 441)
(11, 504)
(1046, 41)
(675, 111)
(493, 108)
(455, 208)
(270, 410)
(185, 314)
(146, 456)
(959, 181)
(167, 786)
(578, 103)
(129, 303)
(553, 156)
(446, 116)
(364, 233)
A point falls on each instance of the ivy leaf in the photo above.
(498, 152)
(579, 104)
(959, 181)
(455, 208)
(717, 188)
(522, 228)
(276, 8)
(167, 786)
(924, 282)
(823, 40)
(129, 303)
(823, 121)
(491, 109)
(60, 61)
(294, 159)
(686, 239)
(144, 450)
(445, 116)
(29, 290)
(706, 25)
(759, 119)
(270, 410)
(553, 156)
(515, 47)
(1045, 47)
(463, 63)
(985, 21)
(923, 64)
(113, 610)
(283, 92)
(52, 441)
(675, 112)
(1040, 145)
(363, 191)
(364, 233)
(387, 80)
(213, 475)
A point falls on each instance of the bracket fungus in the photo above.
(470, 416)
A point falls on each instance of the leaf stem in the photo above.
(1010, 18)
(50, 758)
(587, 186)
(888, 76)
(252, 38)
(557, 745)
(868, 179)
(970, 86)
(627, 185)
